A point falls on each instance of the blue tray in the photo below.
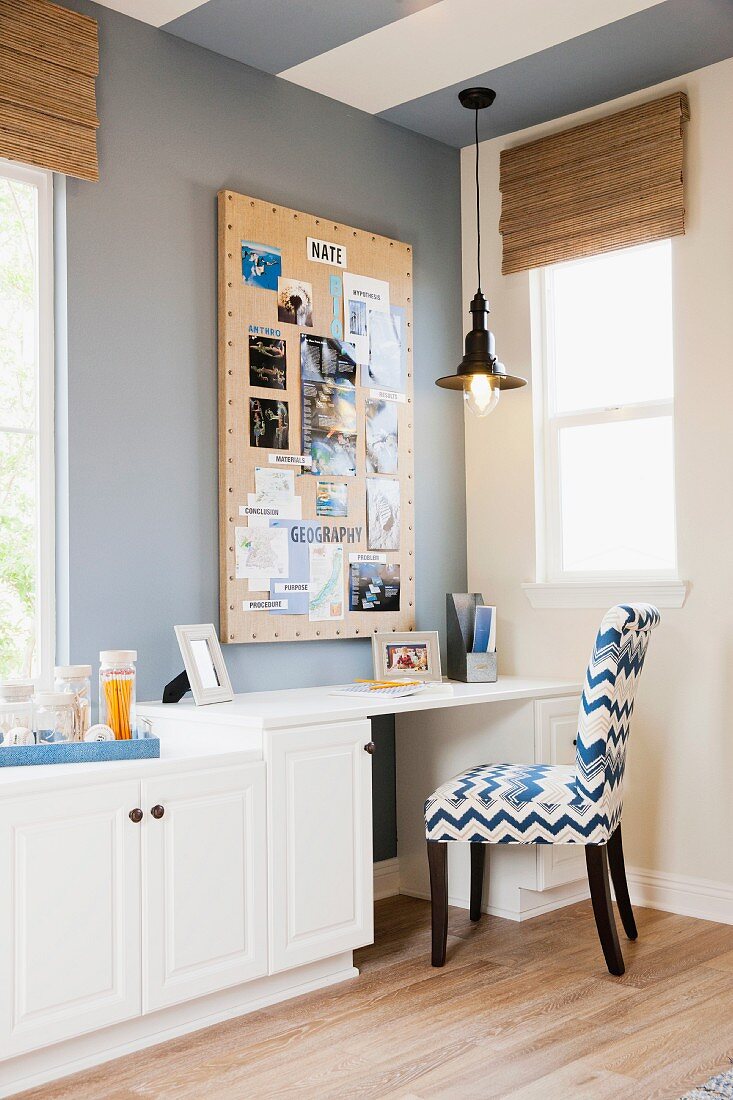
(80, 752)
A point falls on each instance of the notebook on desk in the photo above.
(392, 691)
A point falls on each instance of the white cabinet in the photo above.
(105, 917)
(69, 913)
(204, 881)
(556, 728)
(320, 827)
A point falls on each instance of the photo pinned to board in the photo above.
(329, 427)
(387, 364)
(267, 362)
(381, 436)
(294, 302)
(323, 359)
(383, 514)
(269, 423)
(261, 265)
(374, 586)
(363, 296)
(332, 499)
(357, 322)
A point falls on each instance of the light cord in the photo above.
(478, 212)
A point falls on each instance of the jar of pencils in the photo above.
(117, 691)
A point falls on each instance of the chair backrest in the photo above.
(607, 705)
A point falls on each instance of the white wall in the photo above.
(679, 798)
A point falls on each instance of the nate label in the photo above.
(325, 252)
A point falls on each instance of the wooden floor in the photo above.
(520, 1010)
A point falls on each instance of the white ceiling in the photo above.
(448, 43)
(405, 60)
(154, 12)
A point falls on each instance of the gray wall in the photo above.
(178, 123)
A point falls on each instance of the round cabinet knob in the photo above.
(369, 748)
(157, 812)
(136, 815)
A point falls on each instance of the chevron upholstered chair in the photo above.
(555, 804)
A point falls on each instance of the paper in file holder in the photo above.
(470, 668)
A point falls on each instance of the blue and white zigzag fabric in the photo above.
(553, 804)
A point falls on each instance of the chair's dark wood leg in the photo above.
(478, 859)
(438, 863)
(600, 892)
(620, 885)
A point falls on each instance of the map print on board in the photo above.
(326, 584)
(261, 552)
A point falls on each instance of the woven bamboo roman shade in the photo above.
(49, 58)
(603, 185)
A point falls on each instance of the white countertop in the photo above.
(269, 710)
(46, 777)
(210, 745)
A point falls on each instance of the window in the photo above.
(26, 423)
(602, 353)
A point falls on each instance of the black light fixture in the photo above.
(480, 374)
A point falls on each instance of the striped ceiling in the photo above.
(404, 60)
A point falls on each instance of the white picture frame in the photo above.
(204, 663)
(407, 655)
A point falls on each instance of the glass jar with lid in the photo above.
(117, 691)
(76, 680)
(54, 717)
(16, 712)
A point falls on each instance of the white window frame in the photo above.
(554, 587)
(45, 609)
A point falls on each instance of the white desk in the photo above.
(438, 734)
(270, 710)
(255, 882)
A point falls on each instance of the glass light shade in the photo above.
(481, 394)
(480, 374)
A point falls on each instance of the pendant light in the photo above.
(480, 374)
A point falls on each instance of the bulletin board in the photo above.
(316, 462)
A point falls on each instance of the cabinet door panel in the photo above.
(321, 880)
(204, 874)
(70, 954)
(556, 727)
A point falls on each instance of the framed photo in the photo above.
(204, 664)
(408, 655)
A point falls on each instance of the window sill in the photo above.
(604, 594)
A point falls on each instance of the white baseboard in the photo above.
(386, 878)
(536, 902)
(38, 1067)
(689, 897)
(579, 892)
